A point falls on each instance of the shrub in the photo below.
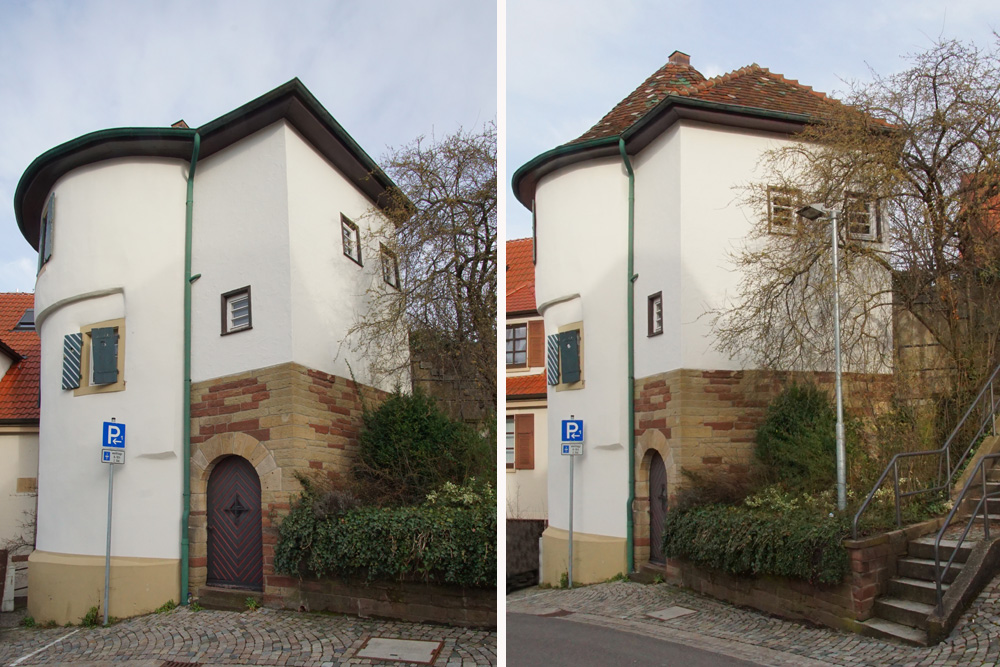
(797, 439)
(744, 541)
(433, 542)
(409, 447)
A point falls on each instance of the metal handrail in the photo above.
(944, 454)
(939, 572)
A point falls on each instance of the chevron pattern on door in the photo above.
(235, 544)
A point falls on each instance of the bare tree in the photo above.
(910, 160)
(444, 235)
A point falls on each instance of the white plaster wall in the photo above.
(19, 452)
(5, 363)
(328, 289)
(582, 230)
(119, 232)
(241, 238)
(658, 262)
(716, 163)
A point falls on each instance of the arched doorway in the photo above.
(235, 540)
(657, 506)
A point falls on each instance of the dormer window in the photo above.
(27, 321)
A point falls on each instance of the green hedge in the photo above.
(747, 542)
(449, 545)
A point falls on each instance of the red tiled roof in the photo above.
(520, 277)
(752, 86)
(19, 385)
(526, 385)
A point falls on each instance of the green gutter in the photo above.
(629, 537)
(186, 457)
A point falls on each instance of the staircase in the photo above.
(902, 613)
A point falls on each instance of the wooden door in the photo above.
(235, 544)
(657, 506)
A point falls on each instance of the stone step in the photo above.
(227, 599)
(917, 590)
(904, 612)
(923, 547)
(879, 627)
(924, 568)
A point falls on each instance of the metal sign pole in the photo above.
(107, 553)
(570, 573)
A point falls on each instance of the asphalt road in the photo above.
(552, 642)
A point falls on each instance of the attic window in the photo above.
(781, 206)
(862, 217)
(27, 321)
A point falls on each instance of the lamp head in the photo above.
(813, 211)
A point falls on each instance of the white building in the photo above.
(677, 149)
(278, 257)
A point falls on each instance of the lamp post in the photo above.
(815, 212)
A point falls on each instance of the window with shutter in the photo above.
(517, 345)
(46, 232)
(511, 447)
(94, 359)
(524, 442)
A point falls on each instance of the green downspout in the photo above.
(186, 457)
(629, 537)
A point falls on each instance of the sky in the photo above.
(568, 62)
(389, 72)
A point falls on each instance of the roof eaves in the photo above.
(10, 352)
(638, 135)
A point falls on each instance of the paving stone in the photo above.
(263, 637)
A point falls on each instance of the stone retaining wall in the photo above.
(408, 601)
(842, 606)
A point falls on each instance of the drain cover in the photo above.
(402, 650)
(670, 612)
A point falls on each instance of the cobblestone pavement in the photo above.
(262, 637)
(752, 635)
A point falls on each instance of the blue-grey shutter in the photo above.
(569, 354)
(72, 347)
(552, 359)
(49, 224)
(104, 344)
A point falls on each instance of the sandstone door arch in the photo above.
(235, 538)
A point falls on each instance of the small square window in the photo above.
(390, 267)
(781, 206)
(654, 312)
(351, 236)
(861, 217)
(517, 345)
(236, 314)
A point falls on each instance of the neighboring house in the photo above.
(19, 361)
(250, 237)
(690, 143)
(527, 442)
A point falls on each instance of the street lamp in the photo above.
(815, 212)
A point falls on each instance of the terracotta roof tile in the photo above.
(520, 277)
(526, 385)
(752, 86)
(19, 385)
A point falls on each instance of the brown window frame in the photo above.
(651, 328)
(385, 253)
(226, 330)
(515, 327)
(347, 226)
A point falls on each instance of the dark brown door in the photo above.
(657, 506)
(235, 544)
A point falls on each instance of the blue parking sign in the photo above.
(113, 435)
(572, 430)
